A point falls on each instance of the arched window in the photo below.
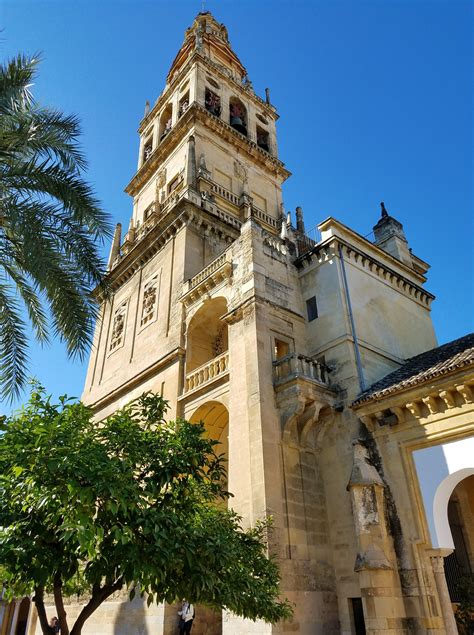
(147, 148)
(183, 104)
(207, 334)
(166, 121)
(212, 102)
(263, 139)
(238, 115)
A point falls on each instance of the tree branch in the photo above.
(99, 595)
(58, 601)
(38, 599)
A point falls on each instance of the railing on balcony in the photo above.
(207, 271)
(297, 365)
(207, 372)
(224, 193)
(264, 217)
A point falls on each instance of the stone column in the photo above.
(437, 563)
(376, 562)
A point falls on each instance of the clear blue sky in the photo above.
(375, 100)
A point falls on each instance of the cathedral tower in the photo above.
(240, 320)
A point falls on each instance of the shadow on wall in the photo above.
(132, 618)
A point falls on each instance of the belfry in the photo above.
(312, 361)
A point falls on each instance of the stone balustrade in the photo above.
(207, 372)
(264, 217)
(297, 365)
(211, 268)
(224, 193)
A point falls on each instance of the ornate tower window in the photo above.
(212, 102)
(150, 301)
(118, 326)
(183, 104)
(263, 139)
(166, 121)
(238, 115)
(147, 148)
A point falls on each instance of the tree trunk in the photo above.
(38, 599)
(58, 601)
(99, 595)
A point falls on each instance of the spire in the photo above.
(209, 38)
(115, 247)
(389, 235)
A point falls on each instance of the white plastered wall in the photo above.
(440, 468)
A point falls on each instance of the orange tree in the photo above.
(127, 503)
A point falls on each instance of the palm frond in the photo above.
(16, 77)
(13, 345)
(50, 221)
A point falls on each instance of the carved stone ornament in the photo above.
(218, 345)
(240, 171)
(161, 178)
(150, 296)
(118, 326)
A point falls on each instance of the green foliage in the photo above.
(130, 501)
(49, 222)
(465, 609)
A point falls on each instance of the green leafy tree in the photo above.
(127, 503)
(49, 224)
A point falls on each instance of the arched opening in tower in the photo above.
(263, 139)
(207, 336)
(238, 115)
(166, 121)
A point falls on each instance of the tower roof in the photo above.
(210, 38)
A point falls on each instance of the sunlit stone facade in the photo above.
(239, 319)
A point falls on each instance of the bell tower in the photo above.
(242, 321)
(207, 163)
(181, 318)
(209, 133)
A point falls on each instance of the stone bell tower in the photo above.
(242, 321)
(182, 320)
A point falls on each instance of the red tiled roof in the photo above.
(421, 368)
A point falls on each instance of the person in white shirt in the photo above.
(187, 617)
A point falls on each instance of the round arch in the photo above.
(215, 417)
(440, 506)
(207, 334)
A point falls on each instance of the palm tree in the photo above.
(50, 223)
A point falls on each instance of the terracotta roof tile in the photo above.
(424, 367)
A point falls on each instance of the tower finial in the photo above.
(384, 211)
(115, 246)
(299, 220)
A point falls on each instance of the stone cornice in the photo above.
(361, 244)
(168, 359)
(354, 237)
(197, 113)
(329, 249)
(183, 213)
(422, 402)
